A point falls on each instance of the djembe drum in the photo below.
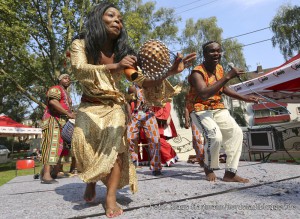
(67, 131)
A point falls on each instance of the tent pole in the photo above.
(12, 146)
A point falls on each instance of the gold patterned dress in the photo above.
(99, 134)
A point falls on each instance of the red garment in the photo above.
(57, 92)
(168, 154)
(143, 158)
(163, 113)
(143, 129)
(65, 101)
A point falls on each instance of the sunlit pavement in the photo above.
(181, 192)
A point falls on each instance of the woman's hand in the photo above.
(181, 63)
(128, 61)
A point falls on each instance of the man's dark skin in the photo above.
(54, 104)
(212, 56)
(65, 83)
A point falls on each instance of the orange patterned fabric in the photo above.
(194, 102)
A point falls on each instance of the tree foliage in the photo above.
(35, 44)
(36, 35)
(286, 28)
(194, 35)
(238, 115)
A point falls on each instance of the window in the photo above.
(261, 141)
(271, 112)
(262, 113)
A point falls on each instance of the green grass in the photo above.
(8, 171)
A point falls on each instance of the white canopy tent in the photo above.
(18, 131)
(281, 84)
(11, 128)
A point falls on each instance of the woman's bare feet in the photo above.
(232, 177)
(110, 213)
(210, 175)
(111, 207)
(90, 192)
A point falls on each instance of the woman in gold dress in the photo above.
(99, 57)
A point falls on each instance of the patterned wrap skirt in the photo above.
(54, 151)
(98, 138)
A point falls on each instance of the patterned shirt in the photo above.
(194, 102)
(58, 93)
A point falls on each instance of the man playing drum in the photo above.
(57, 112)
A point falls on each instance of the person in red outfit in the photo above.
(57, 112)
(166, 131)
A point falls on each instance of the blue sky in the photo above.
(238, 17)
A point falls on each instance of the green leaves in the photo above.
(194, 35)
(35, 38)
(286, 28)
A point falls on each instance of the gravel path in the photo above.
(182, 192)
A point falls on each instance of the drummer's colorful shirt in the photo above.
(57, 92)
(53, 150)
